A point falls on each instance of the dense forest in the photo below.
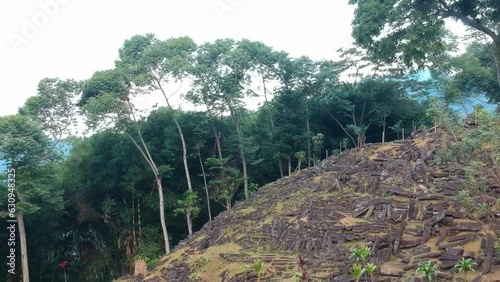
(139, 181)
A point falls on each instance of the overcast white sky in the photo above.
(75, 38)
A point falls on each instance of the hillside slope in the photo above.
(397, 198)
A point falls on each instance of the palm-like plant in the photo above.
(427, 269)
(244, 269)
(465, 265)
(357, 271)
(360, 253)
(370, 269)
(258, 266)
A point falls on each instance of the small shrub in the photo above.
(360, 253)
(258, 266)
(370, 269)
(297, 276)
(357, 271)
(427, 269)
(244, 269)
(465, 265)
(194, 277)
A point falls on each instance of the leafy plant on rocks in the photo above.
(258, 266)
(194, 277)
(465, 265)
(244, 269)
(370, 269)
(427, 269)
(357, 271)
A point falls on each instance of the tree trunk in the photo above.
(216, 134)
(134, 235)
(189, 221)
(186, 170)
(308, 136)
(228, 204)
(383, 132)
(149, 159)
(143, 148)
(270, 113)
(24, 248)
(243, 161)
(206, 186)
(217, 142)
(462, 99)
(184, 155)
(289, 166)
(496, 56)
(139, 222)
(267, 104)
(184, 152)
(298, 165)
(162, 215)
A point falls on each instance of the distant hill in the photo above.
(395, 198)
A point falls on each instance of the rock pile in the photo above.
(396, 198)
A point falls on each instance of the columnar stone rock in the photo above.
(397, 199)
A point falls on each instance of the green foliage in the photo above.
(357, 271)
(253, 187)
(225, 180)
(53, 106)
(104, 82)
(496, 247)
(465, 265)
(300, 156)
(103, 192)
(297, 276)
(22, 142)
(151, 248)
(202, 261)
(480, 146)
(412, 32)
(189, 204)
(370, 269)
(258, 265)
(360, 253)
(194, 277)
(427, 269)
(244, 269)
(470, 74)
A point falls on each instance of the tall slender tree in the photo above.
(153, 64)
(106, 104)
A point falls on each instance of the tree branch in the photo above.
(468, 22)
(341, 126)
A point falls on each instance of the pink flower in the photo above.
(63, 265)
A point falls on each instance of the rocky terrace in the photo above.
(396, 198)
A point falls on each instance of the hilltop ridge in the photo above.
(397, 198)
